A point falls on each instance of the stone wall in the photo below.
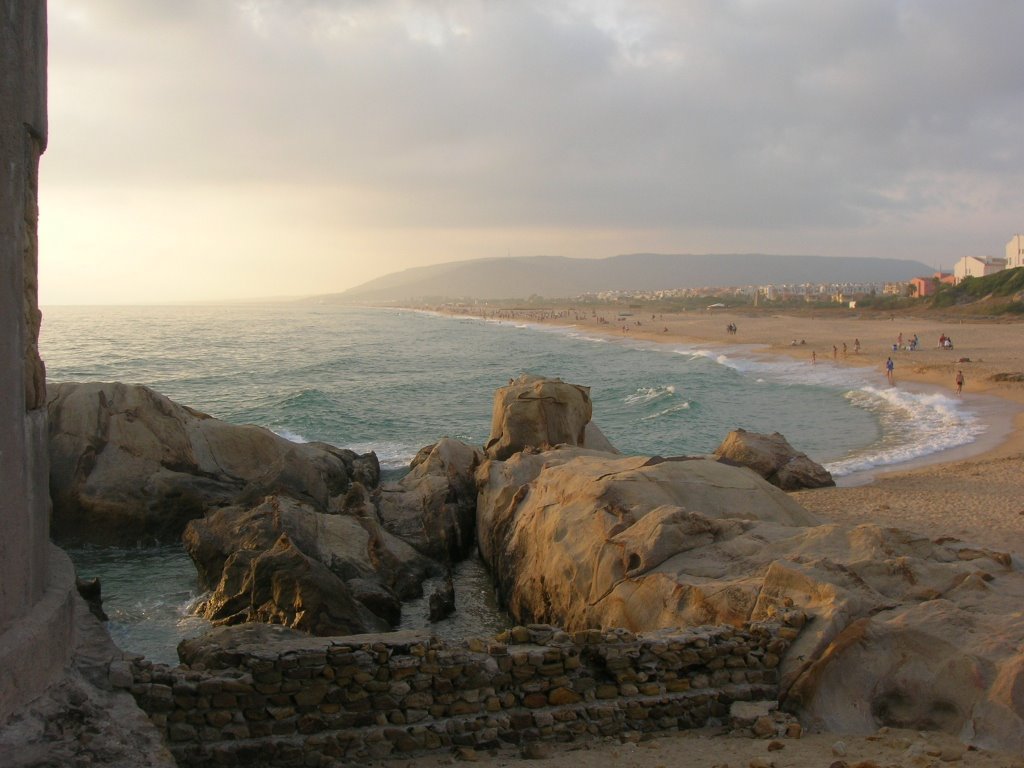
(36, 579)
(359, 698)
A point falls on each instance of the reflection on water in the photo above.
(148, 593)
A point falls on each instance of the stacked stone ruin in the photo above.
(358, 698)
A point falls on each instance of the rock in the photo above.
(433, 507)
(282, 585)
(222, 647)
(537, 413)
(774, 459)
(90, 591)
(351, 559)
(763, 727)
(128, 465)
(880, 626)
(744, 713)
(906, 667)
(442, 601)
(580, 539)
(839, 749)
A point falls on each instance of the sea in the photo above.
(394, 380)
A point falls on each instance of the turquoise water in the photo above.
(392, 381)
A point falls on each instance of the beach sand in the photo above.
(972, 493)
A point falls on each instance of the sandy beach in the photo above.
(971, 493)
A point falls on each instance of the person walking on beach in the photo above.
(856, 346)
(814, 357)
(959, 382)
(889, 370)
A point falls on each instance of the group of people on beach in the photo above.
(835, 349)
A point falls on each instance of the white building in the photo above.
(1015, 252)
(977, 266)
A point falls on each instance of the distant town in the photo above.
(839, 293)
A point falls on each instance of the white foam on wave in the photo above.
(683, 406)
(914, 424)
(293, 437)
(647, 394)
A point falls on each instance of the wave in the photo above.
(914, 425)
(293, 437)
(648, 394)
(684, 406)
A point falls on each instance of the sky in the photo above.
(205, 150)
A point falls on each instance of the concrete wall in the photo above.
(320, 700)
(36, 580)
(1015, 252)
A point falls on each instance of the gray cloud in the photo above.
(715, 114)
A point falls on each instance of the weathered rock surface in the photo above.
(900, 630)
(774, 459)
(130, 465)
(285, 562)
(583, 539)
(433, 508)
(538, 413)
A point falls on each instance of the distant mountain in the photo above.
(560, 277)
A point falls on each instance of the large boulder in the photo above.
(433, 507)
(774, 459)
(583, 539)
(263, 561)
(128, 465)
(282, 585)
(537, 413)
(900, 630)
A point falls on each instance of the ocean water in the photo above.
(392, 381)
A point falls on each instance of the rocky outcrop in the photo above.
(537, 413)
(433, 507)
(582, 539)
(774, 459)
(899, 630)
(128, 465)
(284, 562)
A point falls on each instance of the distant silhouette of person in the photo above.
(959, 382)
(889, 370)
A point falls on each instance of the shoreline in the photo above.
(1000, 413)
(969, 492)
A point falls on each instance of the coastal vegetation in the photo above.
(1001, 293)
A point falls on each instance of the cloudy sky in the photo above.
(223, 149)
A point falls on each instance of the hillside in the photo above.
(560, 277)
(996, 294)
